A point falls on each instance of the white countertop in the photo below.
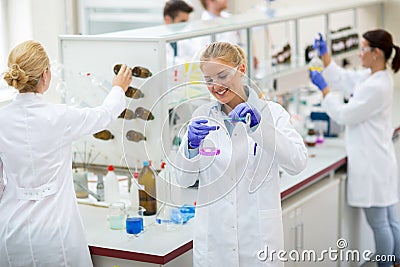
(154, 243)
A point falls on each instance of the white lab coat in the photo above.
(231, 37)
(188, 51)
(372, 167)
(231, 224)
(45, 229)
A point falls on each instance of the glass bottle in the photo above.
(144, 114)
(100, 187)
(138, 71)
(316, 63)
(127, 114)
(311, 138)
(147, 189)
(134, 136)
(134, 93)
(141, 72)
(104, 135)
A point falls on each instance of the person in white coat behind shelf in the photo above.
(40, 223)
(178, 11)
(238, 210)
(214, 9)
(372, 167)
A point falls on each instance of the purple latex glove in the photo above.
(320, 45)
(241, 111)
(318, 80)
(198, 131)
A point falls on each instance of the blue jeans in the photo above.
(385, 223)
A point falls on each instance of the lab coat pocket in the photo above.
(271, 229)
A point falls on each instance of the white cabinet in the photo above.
(311, 223)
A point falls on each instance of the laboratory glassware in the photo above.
(134, 220)
(147, 189)
(104, 135)
(166, 212)
(311, 138)
(127, 114)
(135, 136)
(138, 71)
(100, 187)
(80, 178)
(144, 114)
(134, 93)
(116, 215)
(134, 190)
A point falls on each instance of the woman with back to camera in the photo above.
(238, 212)
(372, 168)
(40, 223)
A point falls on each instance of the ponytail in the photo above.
(396, 59)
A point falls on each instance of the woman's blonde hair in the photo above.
(26, 63)
(224, 51)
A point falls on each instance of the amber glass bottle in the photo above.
(134, 93)
(147, 189)
(134, 136)
(144, 114)
(138, 71)
(127, 114)
(104, 135)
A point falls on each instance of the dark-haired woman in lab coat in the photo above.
(372, 168)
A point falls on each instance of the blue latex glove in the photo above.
(320, 44)
(198, 131)
(241, 111)
(318, 80)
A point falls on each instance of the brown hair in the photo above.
(227, 52)
(172, 7)
(26, 63)
(204, 3)
(383, 40)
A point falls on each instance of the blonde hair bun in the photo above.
(16, 77)
(26, 63)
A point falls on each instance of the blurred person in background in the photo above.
(372, 182)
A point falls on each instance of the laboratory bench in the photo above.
(174, 248)
(316, 194)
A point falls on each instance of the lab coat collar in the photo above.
(28, 97)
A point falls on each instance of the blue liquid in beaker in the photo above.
(134, 225)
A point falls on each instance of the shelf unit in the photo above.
(148, 47)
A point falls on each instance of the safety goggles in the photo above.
(221, 78)
(365, 49)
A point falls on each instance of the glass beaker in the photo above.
(116, 215)
(134, 220)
